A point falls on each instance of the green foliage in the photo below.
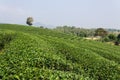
(5, 38)
(112, 37)
(81, 32)
(101, 32)
(118, 37)
(106, 39)
(29, 21)
(43, 54)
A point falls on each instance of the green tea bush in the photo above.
(41, 54)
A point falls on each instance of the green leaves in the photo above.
(37, 54)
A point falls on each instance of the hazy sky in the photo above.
(80, 13)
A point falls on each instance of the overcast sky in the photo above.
(80, 13)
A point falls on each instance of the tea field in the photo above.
(30, 53)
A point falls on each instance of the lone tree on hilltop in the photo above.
(100, 32)
(29, 21)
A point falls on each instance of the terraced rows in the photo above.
(34, 53)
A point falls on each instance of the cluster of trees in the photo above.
(105, 35)
(100, 32)
(75, 31)
(112, 38)
(82, 32)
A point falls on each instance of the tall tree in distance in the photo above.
(100, 32)
(29, 21)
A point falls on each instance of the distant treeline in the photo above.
(106, 35)
(83, 32)
(75, 31)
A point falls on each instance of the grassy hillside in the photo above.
(42, 54)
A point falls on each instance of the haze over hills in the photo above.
(38, 24)
(81, 13)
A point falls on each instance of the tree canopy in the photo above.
(101, 32)
(29, 21)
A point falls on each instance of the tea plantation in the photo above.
(29, 53)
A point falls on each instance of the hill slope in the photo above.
(35, 53)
